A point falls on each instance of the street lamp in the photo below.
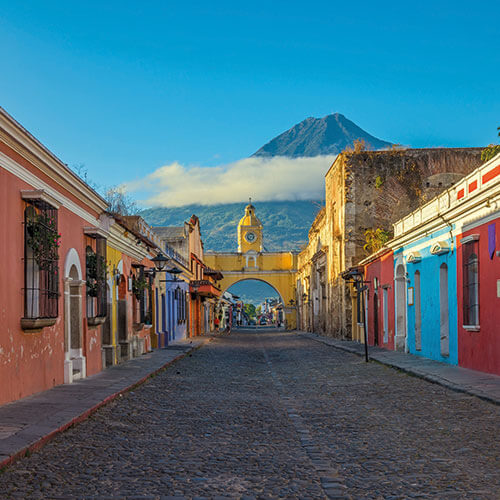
(354, 275)
(160, 261)
(175, 271)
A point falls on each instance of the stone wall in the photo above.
(374, 189)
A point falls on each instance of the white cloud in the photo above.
(263, 179)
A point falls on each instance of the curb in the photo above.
(37, 445)
(428, 378)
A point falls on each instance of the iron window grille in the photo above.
(471, 283)
(96, 276)
(180, 297)
(148, 302)
(41, 260)
(142, 290)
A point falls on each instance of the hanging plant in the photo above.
(139, 284)
(43, 239)
(96, 273)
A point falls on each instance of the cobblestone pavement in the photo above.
(273, 415)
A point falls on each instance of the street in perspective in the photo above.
(272, 414)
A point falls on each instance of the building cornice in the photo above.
(451, 217)
(119, 240)
(14, 135)
(25, 175)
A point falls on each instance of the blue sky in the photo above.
(127, 87)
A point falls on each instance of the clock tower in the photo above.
(249, 231)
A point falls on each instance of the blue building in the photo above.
(425, 293)
(172, 288)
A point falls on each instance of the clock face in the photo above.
(250, 237)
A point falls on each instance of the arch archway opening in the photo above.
(257, 304)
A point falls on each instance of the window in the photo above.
(139, 286)
(95, 277)
(41, 260)
(471, 283)
(180, 297)
(148, 301)
(386, 314)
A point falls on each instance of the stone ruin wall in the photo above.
(356, 201)
(388, 185)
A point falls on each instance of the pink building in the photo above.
(49, 332)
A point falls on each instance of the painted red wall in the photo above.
(381, 268)
(31, 362)
(481, 350)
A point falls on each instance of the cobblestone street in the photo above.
(273, 415)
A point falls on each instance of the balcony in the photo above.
(204, 288)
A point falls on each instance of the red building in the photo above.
(379, 306)
(478, 285)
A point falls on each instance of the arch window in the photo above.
(41, 260)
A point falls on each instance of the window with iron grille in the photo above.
(41, 260)
(141, 288)
(95, 277)
(180, 297)
(471, 283)
(148, 302)
(178, 302)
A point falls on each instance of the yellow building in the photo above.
(277, 269)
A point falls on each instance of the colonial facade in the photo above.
(48, 334)
(443, 267)
(172, 300)
(366, 191)
(313, 279)
(77, 282)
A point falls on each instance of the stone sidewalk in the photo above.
(27, 424)
(483, 385)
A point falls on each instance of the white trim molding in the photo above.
(72, 258)
(440, 248)
(413, 257)
(468, 239)
(39, 194)
(34, 181)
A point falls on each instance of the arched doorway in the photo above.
(74, 360)
(400, 339)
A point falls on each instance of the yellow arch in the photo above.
(278, 269)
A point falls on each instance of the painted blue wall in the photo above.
(429, 268)
(176, 330)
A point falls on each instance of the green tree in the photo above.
(249, 310)
(375, 239)
(491, 151)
